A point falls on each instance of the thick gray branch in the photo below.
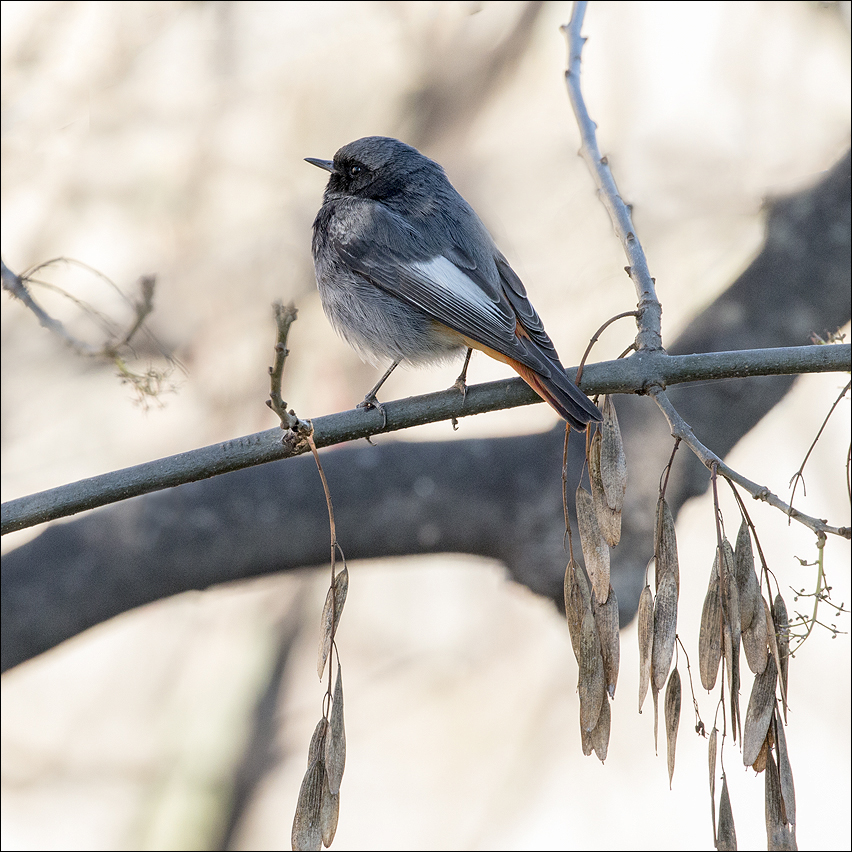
(637, 374)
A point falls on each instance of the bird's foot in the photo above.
(371, 401)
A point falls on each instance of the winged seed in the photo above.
(747, 583)
(726, 835)
(613, 460)
(665, 628)
(710, 635)
(590, 684)
(761, 704)
(335, 742)
(595, 548)
(609, 519)
(645, 618)
(606, 620)
(672, 713)
(666, 543)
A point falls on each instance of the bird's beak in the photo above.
(328, 165)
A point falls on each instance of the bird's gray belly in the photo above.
(382, 327)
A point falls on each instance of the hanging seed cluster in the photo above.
(657, 617)
(736, 614)
(591, 607)
(318, 805)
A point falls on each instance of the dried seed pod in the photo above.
(330, 618)
(711, 759)
(785, 773)
(665, 629)
(778, 833)
(782, 631)
(307, 827)
(645, 619)
(595, 548)
(666, 544)
(754, 639)
(732, 667)
(600, 734)
(606, 620)
(760, 764)
(710, 637)
(672, 714)
(748, 586)
(590, 685)
(335, 742)
(307, 824)
(613, 460)
(329, 812)
(731, 620)
(761, 704)
(726, 836)
(609, 519)
(316, 749)
(577, 602)
(655, 693)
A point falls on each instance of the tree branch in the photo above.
(636, 374)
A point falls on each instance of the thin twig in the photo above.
(650, 311)
(799, 474)
(681, 429)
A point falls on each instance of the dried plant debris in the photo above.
(754, 639)
(597, 739)
(665, 629)
(606, 620)
(595, 548)
(655, 693)
(577, 603)
(710, 636)
(711, 761)
(748, 586)
(335, 742)
(330, 618)
(782, 633)
(329, 812)
(785, 773)
(726, 836)
(645, 618)
(613, 460)
(666, 544)
(780, 835)
(591, 683)
(672, 714)
(609, 519)
(730, 616)
(761, 704)
(307, 830)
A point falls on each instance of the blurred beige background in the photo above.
(168, 138)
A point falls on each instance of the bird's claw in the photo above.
(370, 401)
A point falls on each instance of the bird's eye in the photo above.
(354, 171)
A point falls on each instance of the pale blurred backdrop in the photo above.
(168, 138)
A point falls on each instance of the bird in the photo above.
(407, 272)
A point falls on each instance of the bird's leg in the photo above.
(461, 382)
(370, 400)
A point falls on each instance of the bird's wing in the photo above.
(393, 255)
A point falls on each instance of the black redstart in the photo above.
(407, 272)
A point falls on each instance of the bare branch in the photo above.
(650, 310)
(681, 429)
(640, 373)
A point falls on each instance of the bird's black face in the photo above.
(376, 167)
(352, 176)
